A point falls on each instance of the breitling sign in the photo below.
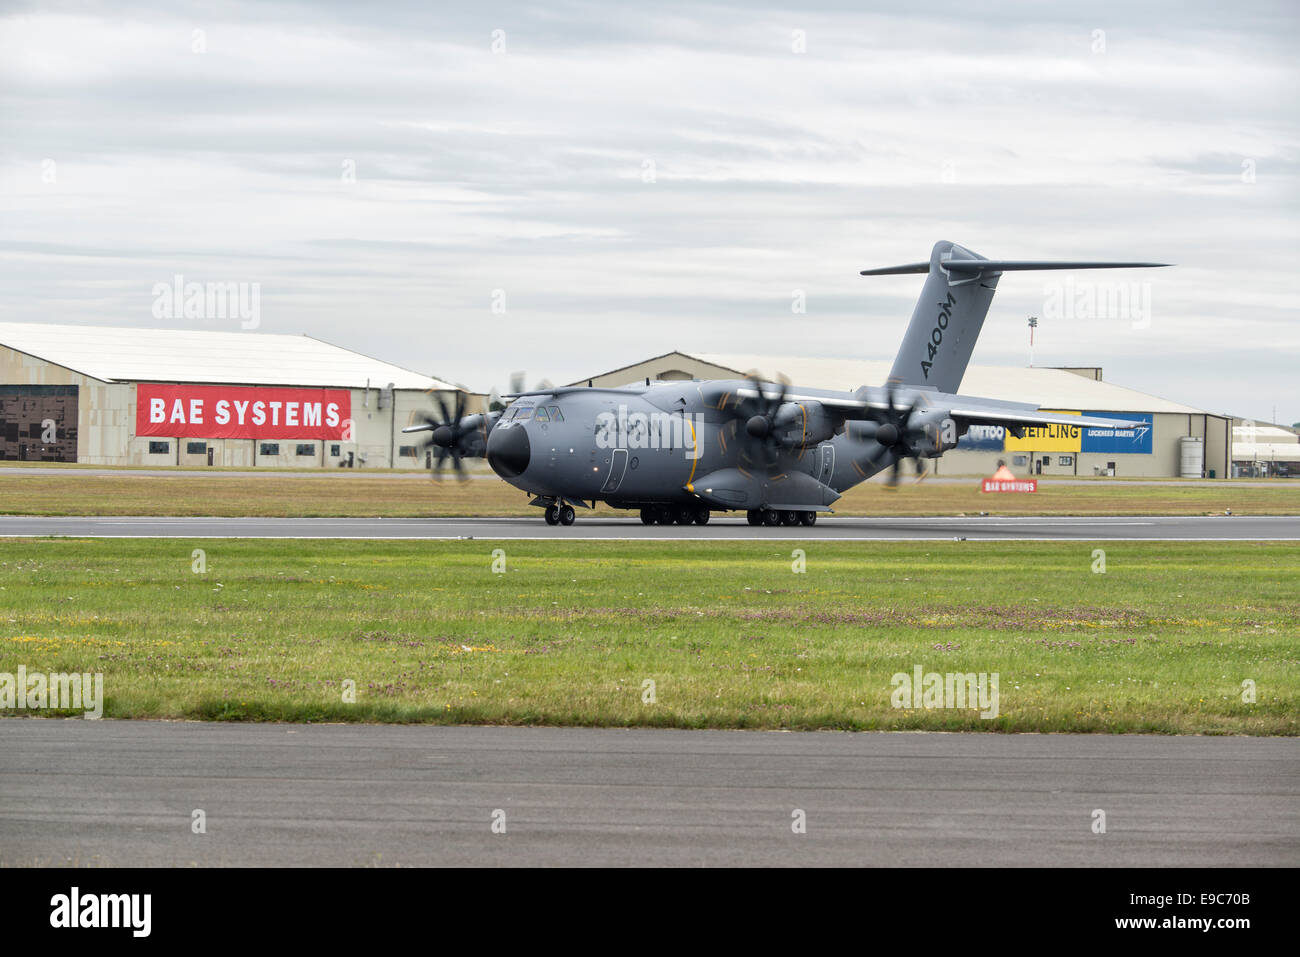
(1048, 438)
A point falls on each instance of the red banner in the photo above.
(242, 412)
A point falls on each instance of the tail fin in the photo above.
(950, 313)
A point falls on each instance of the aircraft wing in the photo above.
(1013, 415)
(969, 409)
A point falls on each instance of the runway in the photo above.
(1135, 528)
(121, 793)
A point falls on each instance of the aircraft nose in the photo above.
(508, 452)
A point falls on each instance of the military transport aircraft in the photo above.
(679, 450)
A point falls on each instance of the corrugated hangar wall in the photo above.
(99, 433)
(51, 413)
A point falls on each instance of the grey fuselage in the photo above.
(660, 444)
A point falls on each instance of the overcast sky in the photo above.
(628, 179)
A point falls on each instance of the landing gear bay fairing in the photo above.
(677, 451)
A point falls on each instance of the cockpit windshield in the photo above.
(542, 413)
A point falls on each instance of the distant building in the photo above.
(1261, 450)
(115, 396)
(1167, 439)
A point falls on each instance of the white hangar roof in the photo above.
(1049, 388)
(117, 354)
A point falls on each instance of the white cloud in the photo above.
(773, 170)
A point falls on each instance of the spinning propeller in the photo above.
(895, 435)
(447, 434)
(761, 447)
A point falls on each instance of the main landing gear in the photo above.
(560, 514)
(674, 514)
(772, 517)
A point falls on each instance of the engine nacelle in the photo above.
(931, 432)
(803, 424)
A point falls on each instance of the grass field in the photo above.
(376, 494)
(729, 634)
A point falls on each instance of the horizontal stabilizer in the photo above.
(1008, 265)
(897, 270)
(1002, 265)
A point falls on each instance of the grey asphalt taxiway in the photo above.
(121, 793)
(1127, 528)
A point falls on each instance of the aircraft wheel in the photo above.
(647, 516)
(808, 518)
(685, 515)
(552, 514)
(701, 516)
(663, 516)
(771, 517)
(567, 515)
(754, 517)
(789, 518)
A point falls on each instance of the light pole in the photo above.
(1033, 324)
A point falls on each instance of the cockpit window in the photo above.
(556, 415)
(542, 415)
(522, 412)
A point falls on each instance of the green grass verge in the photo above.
(732, 638)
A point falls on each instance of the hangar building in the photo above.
(1167, 440)
(114, 396)
(1264, 450)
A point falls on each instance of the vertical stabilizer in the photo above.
(946, 322)
(948, 317)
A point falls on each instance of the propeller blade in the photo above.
(459, 466)
(911, 410)
(435, 472)
(895, 473)
(785, 390)
(442, 406)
